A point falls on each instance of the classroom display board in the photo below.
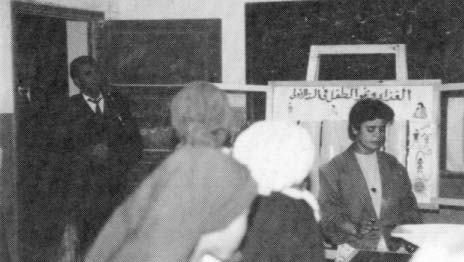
(323, 107)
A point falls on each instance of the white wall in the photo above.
(77, 40)
(6, 69)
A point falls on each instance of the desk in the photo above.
(373, 256)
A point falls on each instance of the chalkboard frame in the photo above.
(399, 50)
(445, 97)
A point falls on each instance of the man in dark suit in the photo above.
(99, 142)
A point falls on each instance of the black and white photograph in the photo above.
(231, 131)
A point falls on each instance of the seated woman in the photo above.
(366, 192)
(282, 224)
(195, 203)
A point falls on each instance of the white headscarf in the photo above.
(279, 155)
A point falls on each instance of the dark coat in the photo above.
(282, 229)
(344, 196)
(95, 186)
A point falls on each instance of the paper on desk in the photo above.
(422, 233)
(209, 258)
(345, 253)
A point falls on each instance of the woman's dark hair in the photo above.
(366, 110)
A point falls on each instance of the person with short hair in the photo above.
(364, 191)
(194, 206)
(99, 141)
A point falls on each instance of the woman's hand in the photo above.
(221, 244)
(359, 230)
(367, 226)
(349, 228)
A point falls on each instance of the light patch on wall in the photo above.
(77, 39)
(236, 100)
(455, 135)
(6, 68)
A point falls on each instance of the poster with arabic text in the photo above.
(412, 137)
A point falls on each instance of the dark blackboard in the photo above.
(357, 67)
(150, 107)
(162, 51)
(279, 36)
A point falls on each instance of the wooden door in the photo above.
(41, 91)
(40, 57)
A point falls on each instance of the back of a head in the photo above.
(368, 109)
(278, 154)
(201, 115)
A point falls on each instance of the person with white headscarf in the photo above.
(283, 219)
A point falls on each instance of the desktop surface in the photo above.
(373, 256)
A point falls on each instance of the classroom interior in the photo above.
(257, 50)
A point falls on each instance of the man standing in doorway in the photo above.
(99, 141)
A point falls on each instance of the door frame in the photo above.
(94, 20)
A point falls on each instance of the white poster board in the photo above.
(413, 138)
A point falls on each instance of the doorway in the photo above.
(41, 89)
(40, 38)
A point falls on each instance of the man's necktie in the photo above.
(98, 111)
